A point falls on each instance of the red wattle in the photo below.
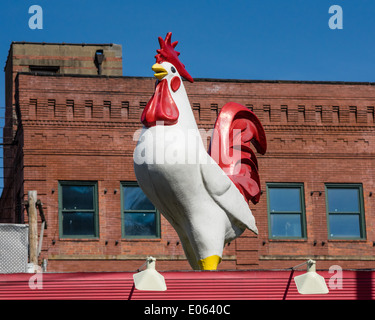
(161, 107)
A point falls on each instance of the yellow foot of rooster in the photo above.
(209, 263)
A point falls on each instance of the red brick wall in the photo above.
(316, 132)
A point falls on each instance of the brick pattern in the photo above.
(81, 128)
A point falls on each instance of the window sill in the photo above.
(79, 239)
(347, 240)
(287, 240)
(141, 240)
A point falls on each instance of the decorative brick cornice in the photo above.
(320, 128)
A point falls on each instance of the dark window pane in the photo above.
(78, 224)
(78, 197)
(286, 225)
(140, 224)
(285, 199)
(135, 199)
(343, 200)
(344, 225)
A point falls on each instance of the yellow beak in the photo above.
(160, 72)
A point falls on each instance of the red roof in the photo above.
(214, 285)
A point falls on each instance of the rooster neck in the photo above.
(186, 119)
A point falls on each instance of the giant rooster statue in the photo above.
(206, 197)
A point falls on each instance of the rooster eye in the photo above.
(173, 69)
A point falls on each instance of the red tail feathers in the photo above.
(235, 129)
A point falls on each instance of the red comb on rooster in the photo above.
(167, 53)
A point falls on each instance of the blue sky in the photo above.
(268, 39)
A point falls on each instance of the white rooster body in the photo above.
(178, 175)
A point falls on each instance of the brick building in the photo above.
(71, 117)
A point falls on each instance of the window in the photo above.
(78, 209)
(286, 210)
(345, 211)
(139, 216)
(44, 69)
